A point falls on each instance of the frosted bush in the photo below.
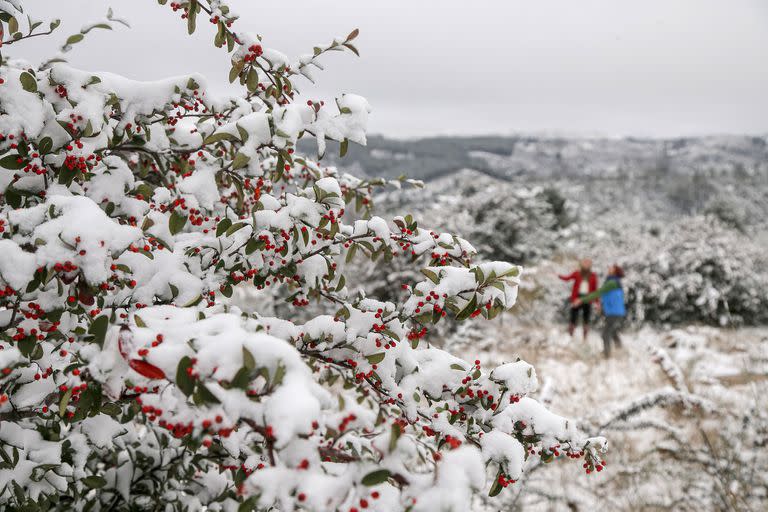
(698, 271)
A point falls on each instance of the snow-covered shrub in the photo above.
(728, 210)
(130, 210)
(698, 271)
(520, 226)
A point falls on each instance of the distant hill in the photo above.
(509, 158)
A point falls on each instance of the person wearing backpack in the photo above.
(611, 296)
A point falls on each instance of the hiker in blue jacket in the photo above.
(612, 301)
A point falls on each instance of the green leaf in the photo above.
(248, 359)
(103, 26)
(376, 477)
(26, 345)
(194, 302)
(240, 161)
(279, 374)
(111, 409)
(223, 226)
(343, 147)
(430, 275)
(394, 435)
(183, 381)
(496, 487)
(252, 245)
(45, 145)
(99, 329)
(235, 227)
(139, 322)
(248, 505)
(241, 378)
(203, 394)
(11, 162)
(468, 309)
(218, 137)
(74, 38)
(176, 222)
(252, 82)
(514, 272)
(351, 252)
(479, 276)
(191, 16)
(28, 82)
(94, 482)
(237, 67)
(375, 358)
(458, 367)
(240, 194)
(66, 175)
(243, 132)
(64, 402)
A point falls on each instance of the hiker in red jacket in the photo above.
(584, 282)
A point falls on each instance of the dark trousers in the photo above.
(611, 329)
(585, 310)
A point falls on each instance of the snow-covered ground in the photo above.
(684, 410)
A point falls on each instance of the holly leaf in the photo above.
(376, 477)
(375, 358)
(248, 360)
(99, 329)
(111, 408)
(94, 482)
(11, 162)
(223, 226)
(64, 402)
(204, 396)
(45, 145)
(240, 161)
(74, 38)
(496, 487)
(394, 436)
(28, 82)
(176, 222)
(183, 380)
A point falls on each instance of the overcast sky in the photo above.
(428, 67)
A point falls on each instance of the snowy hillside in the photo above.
(684, 410)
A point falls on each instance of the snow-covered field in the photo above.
(684, 410)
